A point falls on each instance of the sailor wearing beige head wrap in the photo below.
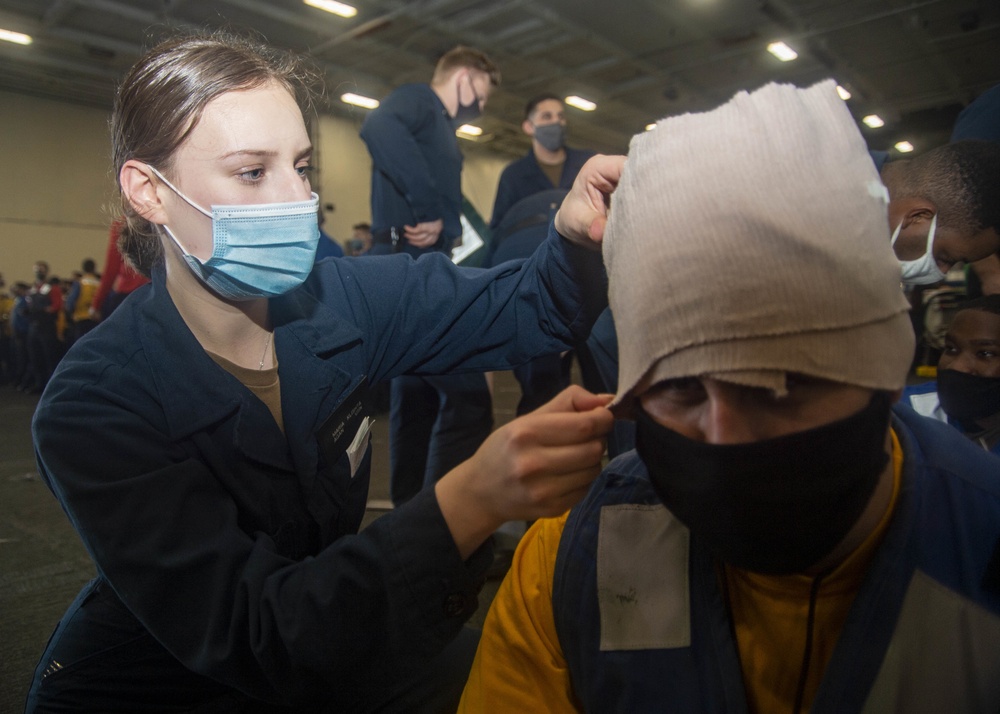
(747, 250)
(752, 241)
(777, 542)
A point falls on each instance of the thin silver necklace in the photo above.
(264, 353)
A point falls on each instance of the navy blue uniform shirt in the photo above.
(233, 547)
(525, 177)
(416, 163)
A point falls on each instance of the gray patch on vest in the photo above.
(944, 655)
(642, 579)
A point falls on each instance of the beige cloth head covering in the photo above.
(751, 241)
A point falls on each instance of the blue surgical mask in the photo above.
(924, 270)
(258, 250)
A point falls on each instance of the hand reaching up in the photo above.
(584, 212)
(539, 465)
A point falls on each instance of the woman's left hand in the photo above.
(538, 465)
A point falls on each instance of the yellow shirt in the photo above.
(520, 667)
(770, 617)
(6, 312)
(89, 284)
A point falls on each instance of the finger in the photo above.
(597, 195)
(565, 400)
(584, 221)
(584, 401)
(603, 180)
(565, 464)
(596, 230)
(575, 398)
(608, 171)
(557, 429)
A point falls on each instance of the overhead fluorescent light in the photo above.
(782, 51)
(358, 100)
(581, 103)
(874, 121)
(469, 130)
(16, 37)
(650, 127)
(844, 94)
(904, 147)
(337, 8)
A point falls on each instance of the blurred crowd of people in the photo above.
(41, 319)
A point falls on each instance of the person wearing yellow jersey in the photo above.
(783, 538)
(79, 299)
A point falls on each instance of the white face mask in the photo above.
(924, 270)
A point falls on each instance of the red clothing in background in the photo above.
(117, 275)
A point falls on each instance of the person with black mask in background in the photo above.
(966, 393)
(435, 421)
(782, 539)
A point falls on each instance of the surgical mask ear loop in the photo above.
(930, 237)
(176, 190)
(895, 234)
(187, 201)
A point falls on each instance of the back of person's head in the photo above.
(768, 257)
(533, 103)
(162, 98)
(962, 179)
(88, 265)
(462, 57)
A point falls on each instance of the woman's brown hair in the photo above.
(163, 96)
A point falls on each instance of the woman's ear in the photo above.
(139, 187)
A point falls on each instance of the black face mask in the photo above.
(967, 397)
(551, 136)
(467, 112)
(776, 506)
